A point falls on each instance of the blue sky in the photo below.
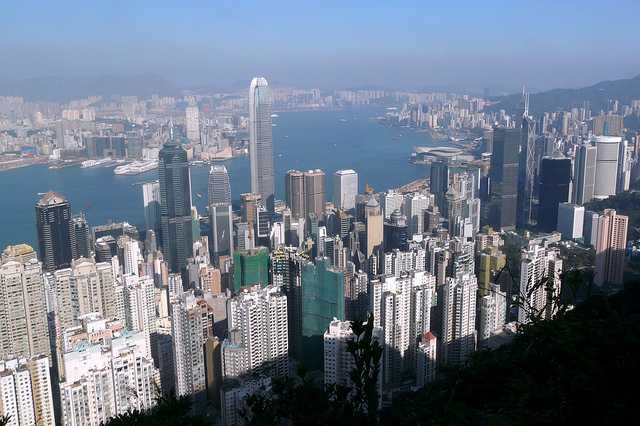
(452, 44)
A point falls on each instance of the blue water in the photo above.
(302, 140)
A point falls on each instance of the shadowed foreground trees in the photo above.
(580, 368)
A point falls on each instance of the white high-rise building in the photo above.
(345, 189)
(625, 155)
(151, 204)
(260, 141)
(540, 270)
(84, 288)
(426, 359)
(606, 165)
(590, 227)
(338, 361)
(399, 262)
(401, 306)
(140, 304)
(493, 312)
(258, 330)
(131, 254)
(459, 318)
(391, 201)
(191, 326)
(414, 206)
(192, 120)
(23, 312)
(104, 379)
(25, 392)
(570, 220)
(584, 173)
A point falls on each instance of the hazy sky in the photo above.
(325, 43)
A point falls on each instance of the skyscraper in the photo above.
(23, 311)
(555, 181)
(26, 391)
(175, 205)
(401, 306)
(540, 270)
(53, 218)
(504, 178)
(345, 188)
(191, 326)
(219, 187)
(338, 361)
(258, 340)
(294, 193)
(192, 121)
(458, 334)
(221, 220)
(606, 165)
(439, 181)
(260, 141)
(584, 173)
(80, 237)
(526, 167)
(610, 247)
(570, 220)
(322, 301)
(314, 193)
(151, 203)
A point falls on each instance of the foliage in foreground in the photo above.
(168, 411)
(575, 369)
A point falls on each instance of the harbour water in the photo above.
(329, 140)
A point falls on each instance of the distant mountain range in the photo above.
(61, 89)
(598, 96)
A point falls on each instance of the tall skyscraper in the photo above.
(23, 311)
(345, 188)
(610, 247)
(374, 226)
(221, 221)
(314, 193)
(540, 270)
(151, 203)
(191, 327)
(414, 206)
(555, 185)
(338, 361)
(401, 306)
(294, 193)
(175, 205)
(219, 187)
(439, 181)
(260, 141)
(504, 178)
(623, 179)
(192, 122)
(526, 166)
(606, 165)
(584, 173)
(26, 392)
(570, 220)
(53, 218)
(258, 340)
(458, 333)
(322, 301)
(80, 237)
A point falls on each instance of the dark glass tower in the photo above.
(555, 177)
(53, 218)
(396, 232)
(175, 205)
(504, 178)
(526, 167)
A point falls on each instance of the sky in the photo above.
(455, 45)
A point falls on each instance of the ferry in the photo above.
(136, 168)
(274, 116)
(93, 163)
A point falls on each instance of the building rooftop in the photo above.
(51, 198)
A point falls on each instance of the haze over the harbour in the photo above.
(465, 45)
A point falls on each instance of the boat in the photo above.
(136, 168)
(274, 116)
(343, 120)
(199, 195)
(93, 163)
